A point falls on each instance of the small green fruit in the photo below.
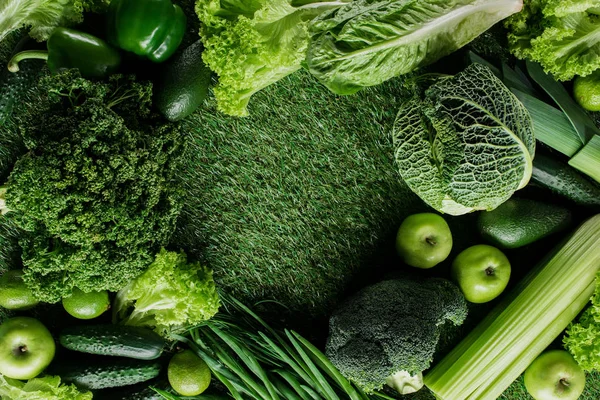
(554, 375)
(86, 305)
(586, 91)
(14, 294)
(482, 272)
(188, 374)
(424, 240)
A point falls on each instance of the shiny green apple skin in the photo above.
(26, 348)
(482, 273)
(554, 375)
(424, 240)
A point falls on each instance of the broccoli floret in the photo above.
(392, 326)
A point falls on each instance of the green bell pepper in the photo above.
(68, 48)
(149, 28)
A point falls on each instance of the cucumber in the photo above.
(565, 181)
(113, 340)
(105, 372)
(141, 391)
(519, 222)
(15, 85)
(183, 84)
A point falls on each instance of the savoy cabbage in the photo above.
(466, 143)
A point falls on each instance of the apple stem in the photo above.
(564, 382)
(431, 241)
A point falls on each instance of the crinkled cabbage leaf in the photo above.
(465, 144)
(367, 42)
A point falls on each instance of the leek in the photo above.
(587, 160)
(501, 347)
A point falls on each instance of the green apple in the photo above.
(424, 240)
(554, 375)
(482, 272)
(26, 348)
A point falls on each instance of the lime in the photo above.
(188, 374)
(86, 305)
(586, 90)
(14, 294)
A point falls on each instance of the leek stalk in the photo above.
(501, 347)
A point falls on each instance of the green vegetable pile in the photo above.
(97, 190)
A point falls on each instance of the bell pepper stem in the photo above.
(13, 64)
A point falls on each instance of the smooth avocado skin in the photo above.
(519, 222)
(183, 84)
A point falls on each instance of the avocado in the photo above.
(182, 84)
(518, 222)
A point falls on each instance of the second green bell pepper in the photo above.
(149, 28)
(68, 48)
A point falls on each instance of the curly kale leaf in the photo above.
(97, 192)
(467, 144)
(392, 326)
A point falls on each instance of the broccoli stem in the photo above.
(3, 208)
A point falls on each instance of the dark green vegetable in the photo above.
(101, 373)
(68, 48)
(113, 340)
(140, 391)
(110, 197)
(183, 84)
(149, 28)
(565, 181)
(519, 222)
(14, 86)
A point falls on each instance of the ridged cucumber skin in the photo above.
(183, 84)
(564, 180)
(108, 372)
(113, 340)
(141, 391)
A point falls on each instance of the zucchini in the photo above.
(15, 85)
(102, 373)
(565, 181)
(113, 340)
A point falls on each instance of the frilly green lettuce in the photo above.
(46, 388)
(251, 45)
(171, 294)
(562, 35)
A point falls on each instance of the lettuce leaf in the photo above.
(253, 44)
(42, 16)
(467, 144)
(170, 295)
(46, 388)
(367, 42)
(562, 35)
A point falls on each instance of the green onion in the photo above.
(587, 160)
(501, 347)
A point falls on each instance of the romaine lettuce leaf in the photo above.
(467, 144)
(42, 16)
(367, 42)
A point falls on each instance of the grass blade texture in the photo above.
(289, 202)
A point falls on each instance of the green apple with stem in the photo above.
(424, 240)
(482, 273)
(26, 348)
(554, 375)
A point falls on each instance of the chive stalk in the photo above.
(501, 347)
